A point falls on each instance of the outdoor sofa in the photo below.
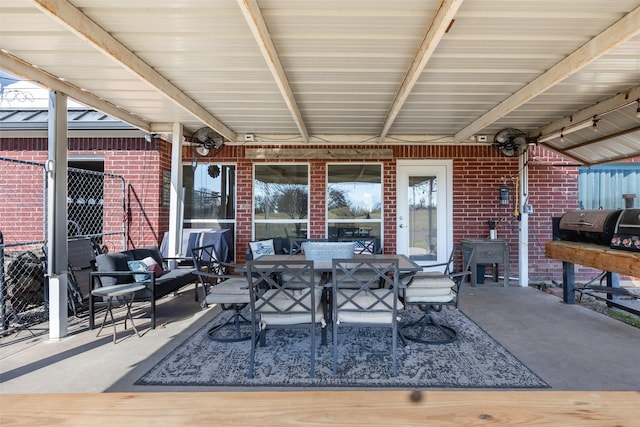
(142, 265)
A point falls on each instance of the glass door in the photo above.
(424, 211)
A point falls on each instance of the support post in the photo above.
(613, 281)
(57, 256)
(176, 202)
(568, 282)
(523, 230)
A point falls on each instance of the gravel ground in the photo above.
(599, 305)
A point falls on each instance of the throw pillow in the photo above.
(262, 247)
(139, 266)
(153, 265)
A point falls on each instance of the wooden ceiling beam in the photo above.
(601, 108)
(258, 27)
(27, 71)
(76, 21)
(624, 29)
(440, 23)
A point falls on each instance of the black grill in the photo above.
(627, 232)
(589, 226)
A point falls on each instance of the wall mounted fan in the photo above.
(510, 141)
(206, 139)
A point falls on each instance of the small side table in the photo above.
(488, 251)
(113, 292)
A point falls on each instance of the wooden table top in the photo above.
(325, 408)
(405, 264)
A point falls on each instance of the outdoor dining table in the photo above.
(405, 264)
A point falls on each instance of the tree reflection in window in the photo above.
(354, 200)
(281, 200)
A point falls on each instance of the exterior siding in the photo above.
(478, 173)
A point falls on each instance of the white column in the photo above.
(176, 201)
(523, 246)
(57, 256)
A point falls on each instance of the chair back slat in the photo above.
(364, 245)
(283, 294)
(365, 294)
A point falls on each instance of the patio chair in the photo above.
(295, 244)
(368, 304)
(295, 303)
(364, 245)
(431, 291)
(218, 286)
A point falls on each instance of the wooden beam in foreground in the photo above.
(595, 256)
(326, 407)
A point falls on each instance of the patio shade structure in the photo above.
(439, 71)
(342, 72)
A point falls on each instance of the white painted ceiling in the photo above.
(344, 71)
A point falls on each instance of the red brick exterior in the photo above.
(139, 162)
(478, 173)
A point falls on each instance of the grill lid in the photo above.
(589, 226)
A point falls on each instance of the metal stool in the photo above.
(111, 292)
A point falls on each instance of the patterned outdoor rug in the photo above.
(475, 360)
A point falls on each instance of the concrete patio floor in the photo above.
(568, 346)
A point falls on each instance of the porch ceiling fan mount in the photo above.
(510, 142)
(206, 139)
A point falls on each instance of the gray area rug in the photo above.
(475, 360)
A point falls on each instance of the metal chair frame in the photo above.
(211, 273)
(375, 292)
(270, 297)
(458, 255)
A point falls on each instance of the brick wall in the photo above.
(478, 173)
(139, 162)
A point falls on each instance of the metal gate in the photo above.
(95, 209)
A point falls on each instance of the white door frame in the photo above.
(443, 169)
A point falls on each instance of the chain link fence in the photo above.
(23, 229)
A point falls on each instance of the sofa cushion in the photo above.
(142, 253)
(116, 261)
(173, 280)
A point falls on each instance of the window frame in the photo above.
(203, 223)
(304, 222)
(379, 221)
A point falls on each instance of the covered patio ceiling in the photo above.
(338, 71)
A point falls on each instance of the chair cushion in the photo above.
(422, 280)
(430, 287)
(231, 291)
(348, 312)
(429, 295)
(234, 285)
(282, 302)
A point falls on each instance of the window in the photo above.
(354, 201)
(209, 196)
(281, 200)
(602, 187)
